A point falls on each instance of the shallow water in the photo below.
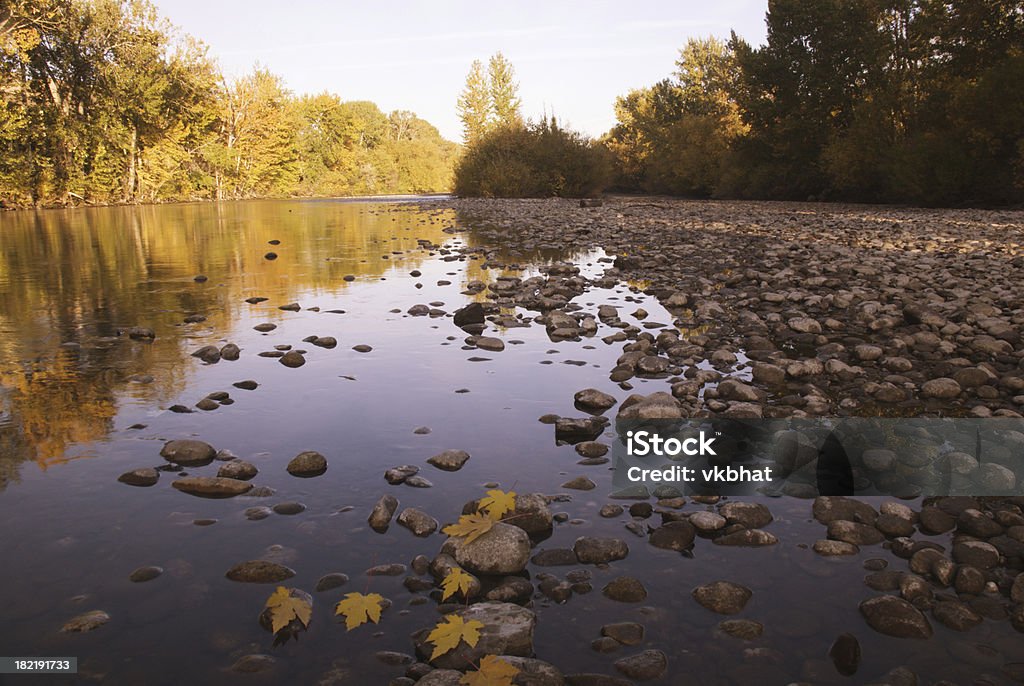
(71, 389)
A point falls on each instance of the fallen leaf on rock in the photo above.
(496, 503)
(457, 581)
(450, 631)
(470, 527)
(284, 608)
(493, 671)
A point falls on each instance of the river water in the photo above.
(80, 405)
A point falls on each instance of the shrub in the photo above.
(533, 160)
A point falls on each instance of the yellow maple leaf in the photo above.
(450, 631)
(457, 581)
(493, 671)
(284, 608)
(470, 527)
(497, 503)
(358, 609)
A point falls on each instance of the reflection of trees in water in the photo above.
(77, 276)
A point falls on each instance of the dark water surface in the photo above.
(71, 388)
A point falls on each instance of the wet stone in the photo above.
(292, 359)
(418, 522)
(650, 664)
(238, 469)
(745, 629)
(255, 514)
(211, 486)
(144, 574)
(845, 653)
(591, 449)
(580, 483)
(289, 508)
(397, 475)
(140, 477)
(383, 511)
(188, 452)
(625, 589)
(86, 621)
(626, 633)
(449, 460)
(591, 550)
(259, 572)
(307, 464)
(393, 569)
(611, 510)
(723, 597)
(895, 617)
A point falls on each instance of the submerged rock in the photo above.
(86, 621)
(259, 572)
(723, 597)
(307, 464)
(140, 477)
(895, 617)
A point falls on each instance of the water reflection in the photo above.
(69, 280)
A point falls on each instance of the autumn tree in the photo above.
(504, 91)
(489, 99)
(474, 104)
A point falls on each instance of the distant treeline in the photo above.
(101, 101)
(917, 101)
(910, 101)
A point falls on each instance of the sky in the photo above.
(572, 59)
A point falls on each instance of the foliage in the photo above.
(532, 160)
(891, 100)
(285, 608)
(493, 671)
(359, 608)
(490, 99)
(470, 527)
(103, 101)
(673, 136)
(456, 581)
(451, 631)
(497, 502)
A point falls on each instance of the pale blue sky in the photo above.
(572, 58)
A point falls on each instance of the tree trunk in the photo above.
(133, 155)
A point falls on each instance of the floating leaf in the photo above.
(497, 503)
(457, 581)
(450, 631)
(470, 527)
(284, 607)
(359, 609)
(493, 671)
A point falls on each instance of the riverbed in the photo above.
(102, 309)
